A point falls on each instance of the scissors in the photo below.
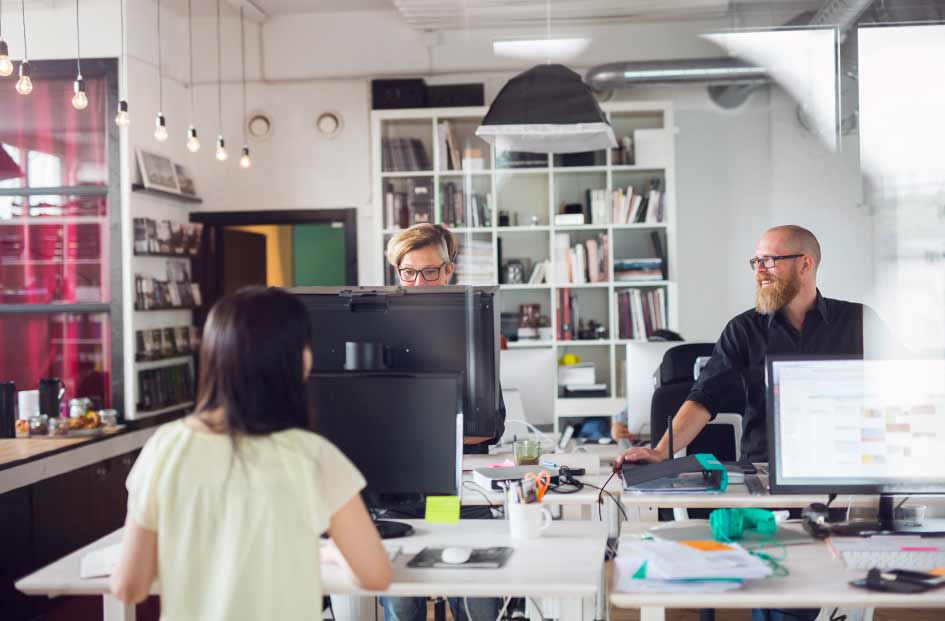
(542, 480)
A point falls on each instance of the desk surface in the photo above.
(565, 562)
(736, 495)
(816, 579)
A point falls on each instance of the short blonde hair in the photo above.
(421, 236)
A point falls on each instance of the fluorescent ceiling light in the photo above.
(540, 49)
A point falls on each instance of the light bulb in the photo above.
(160, 128)
(221, 149)
(245, 161)
(24, 86)
(193, 144)
(79, 100)
(6, 67)
(122, 119)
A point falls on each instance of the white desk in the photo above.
(736, 495)
(566, 563)
(816, 579)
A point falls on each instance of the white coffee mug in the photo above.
(527, 521)
(28, 401)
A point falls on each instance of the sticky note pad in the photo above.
(442, 509)
(706, 545)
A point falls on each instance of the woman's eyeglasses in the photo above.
(430, 274)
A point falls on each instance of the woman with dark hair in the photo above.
(227, 505)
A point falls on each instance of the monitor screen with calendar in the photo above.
(840, 425)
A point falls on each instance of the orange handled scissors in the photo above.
(542, 481)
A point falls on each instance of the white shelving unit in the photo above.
(534, 195)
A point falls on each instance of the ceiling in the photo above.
(460, 14)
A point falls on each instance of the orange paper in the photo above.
(707, 545)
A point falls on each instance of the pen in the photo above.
(549, 464)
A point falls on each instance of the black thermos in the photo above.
(7, 410)
(50, 390)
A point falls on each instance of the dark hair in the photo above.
(251, 361)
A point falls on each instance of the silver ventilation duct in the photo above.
(730, 81)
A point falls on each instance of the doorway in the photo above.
(302, 248)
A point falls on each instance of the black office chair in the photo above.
(674, 380)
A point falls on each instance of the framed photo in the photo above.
(157, 172)
(185, 180)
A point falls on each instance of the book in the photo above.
(569, 219)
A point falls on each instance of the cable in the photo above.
(900, 505)
(600, 498)
(502, 611)
(541, 615)
(478, 488)
(466, 607)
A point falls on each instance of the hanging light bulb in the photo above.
(245, 160)
(79, 99)
(122, 118)
(193, 144)
(6, 65)
(221, 149)
(160, 128)
(24, 86)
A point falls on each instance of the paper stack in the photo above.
(684, 566)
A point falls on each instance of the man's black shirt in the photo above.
(831, 327)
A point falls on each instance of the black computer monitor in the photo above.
(438, 329)
(840, 425)
(403, 431)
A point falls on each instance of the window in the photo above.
(59, 287)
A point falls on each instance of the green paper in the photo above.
(442, 509)
(640, 573)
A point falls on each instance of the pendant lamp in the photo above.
(547, 109)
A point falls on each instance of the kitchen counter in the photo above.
(24, 461)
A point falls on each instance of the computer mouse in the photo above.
(456, 555)
(604, 441)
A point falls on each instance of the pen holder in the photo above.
(528, 521)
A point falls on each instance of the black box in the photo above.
(395, 94)
(455, 95)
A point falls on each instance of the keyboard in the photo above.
(890, 553)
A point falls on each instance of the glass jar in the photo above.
(39, 425)
(79, 406)
(58, 427)
(109, 418)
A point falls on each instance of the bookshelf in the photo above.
(516, 198)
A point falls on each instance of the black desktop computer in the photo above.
(838, 425)
(402, 430)
(436, 329)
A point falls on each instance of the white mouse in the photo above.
(604, 441)
(456, 555)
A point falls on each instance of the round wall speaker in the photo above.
(329, 124)
(258, 126)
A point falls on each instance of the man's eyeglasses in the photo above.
(769, 262)
(430, 274)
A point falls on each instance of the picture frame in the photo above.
(157, 172)
(185, 181)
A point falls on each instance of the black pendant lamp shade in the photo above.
(547, 109)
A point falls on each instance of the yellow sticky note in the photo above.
(442, 509)
(706, 545)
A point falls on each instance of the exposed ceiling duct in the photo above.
(730, 81)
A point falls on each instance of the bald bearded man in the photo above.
(790, 317)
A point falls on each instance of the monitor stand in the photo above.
(885, 524)
(388, 529)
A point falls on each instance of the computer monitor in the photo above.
(403, 431)
(850, 426)
(438, 329)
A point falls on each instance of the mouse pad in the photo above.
(481, 558)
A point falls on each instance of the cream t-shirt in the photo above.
(238, 535)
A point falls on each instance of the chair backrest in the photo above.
(675, 377)
(678, 363)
